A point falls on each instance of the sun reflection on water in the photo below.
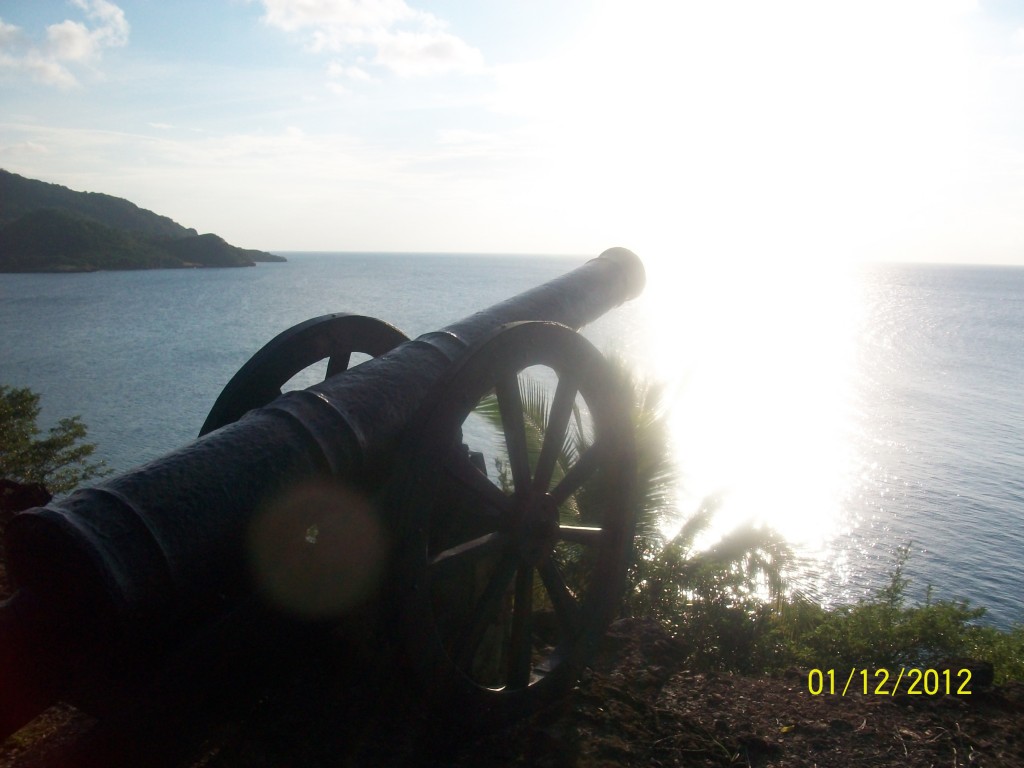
(763, 364)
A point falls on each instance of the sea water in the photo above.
(854, 414)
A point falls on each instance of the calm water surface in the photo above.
(854, 411)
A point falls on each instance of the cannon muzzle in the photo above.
(364, 479)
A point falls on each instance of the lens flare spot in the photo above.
(318, 550)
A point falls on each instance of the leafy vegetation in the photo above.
(59, 460)
(49, 228)
(19, 196)
(885, 632)
(58, 241)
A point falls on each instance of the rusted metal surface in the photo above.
(126, 572)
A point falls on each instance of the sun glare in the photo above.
(757, 130)
(763, 366)
(773, 145)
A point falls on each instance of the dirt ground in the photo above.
(638, 705)
(641, 706)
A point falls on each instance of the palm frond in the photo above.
(535, 397)
(698, 522)
(759, 554)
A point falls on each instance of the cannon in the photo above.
(492, 581)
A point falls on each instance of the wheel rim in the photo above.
(335, 337)
(518, 578)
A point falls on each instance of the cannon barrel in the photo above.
(141, 559)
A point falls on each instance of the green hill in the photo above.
(49, 228)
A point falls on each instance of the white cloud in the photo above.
(409, 54)
(113, 27)
(397, 38)
(66, 43)
(296, 15)
(23, 148)
(341, 75)
(9, 34)
(71, 41)
(339, 71)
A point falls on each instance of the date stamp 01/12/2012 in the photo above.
(911, 681)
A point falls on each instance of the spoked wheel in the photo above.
(517, 573)
(335, 337)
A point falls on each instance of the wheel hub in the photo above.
(539, 530)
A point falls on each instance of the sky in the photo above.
(704, 131)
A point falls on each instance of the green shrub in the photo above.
(60, 460)
(714, 612)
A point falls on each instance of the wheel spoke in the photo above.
(510, 405)
(465, 473)
(486, 608)
(520, 641)
(578, 474)
(580, 534)
(554, 434)
(338, 363)
(477, 547)
(567, 610)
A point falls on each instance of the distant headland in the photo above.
(49, 228)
